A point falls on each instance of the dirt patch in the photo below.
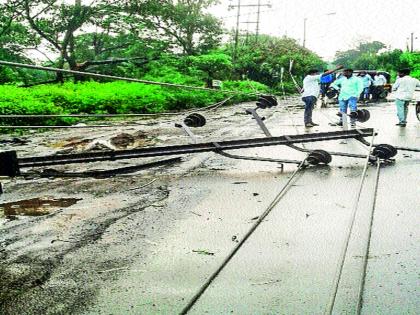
(36, 206)
(119, 141)
(74, 142)
(122, 140)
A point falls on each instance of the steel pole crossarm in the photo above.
(252, 158)
(264, 128)
(259, 120)
(362, 140)
(407, 149)
(353, 155)
(187, 131)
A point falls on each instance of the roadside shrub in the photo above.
(112, 97)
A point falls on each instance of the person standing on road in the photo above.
(379, 82)
(326, 80)
(310, 93)
(350, 88)
(367, 82)
(404, 89)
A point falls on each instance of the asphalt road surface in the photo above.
(144, 243)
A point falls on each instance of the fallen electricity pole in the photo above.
(10, 163)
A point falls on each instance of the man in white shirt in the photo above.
(310, 93)
(404, 89)
(379, 81)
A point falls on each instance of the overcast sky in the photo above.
(388, 21)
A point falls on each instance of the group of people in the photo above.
(351, 88)
(374, 87)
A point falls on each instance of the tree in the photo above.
(182, 22)
(411, 60)
(363, 56)
(215, 65)
(119, 54)
(15, 39)
(263, 61)
(56, 23)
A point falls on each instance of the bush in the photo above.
(113, 97)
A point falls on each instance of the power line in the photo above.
(274, 9)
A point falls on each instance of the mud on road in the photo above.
(74, 257)
(55, 263)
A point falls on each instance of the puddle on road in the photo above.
(36, 206)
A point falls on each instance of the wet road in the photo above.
(148, 250)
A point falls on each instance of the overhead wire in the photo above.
(275, 9)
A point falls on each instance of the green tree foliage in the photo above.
(183, 23)
(215, 65)
(364, 56)
(15, 39)
(57, 23)
(119, 54)
(412, 60)
(263, 61)
(391, 60)
(367, 56)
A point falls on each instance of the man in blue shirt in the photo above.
(367, 82)
(326, 80)
(350, 88)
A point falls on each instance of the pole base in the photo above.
(9, 165)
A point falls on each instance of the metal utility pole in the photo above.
(304, 32)
(238, 15)
(257, 22)
(412, 42)
(237, 27)
(257, 30)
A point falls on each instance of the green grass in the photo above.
(111, 98)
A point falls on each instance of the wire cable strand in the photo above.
(213, 276)
(340, 265)
(367, 249)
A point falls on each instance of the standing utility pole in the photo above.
(412, 42)
(238, 14)
(304, 32)
(257, 22)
